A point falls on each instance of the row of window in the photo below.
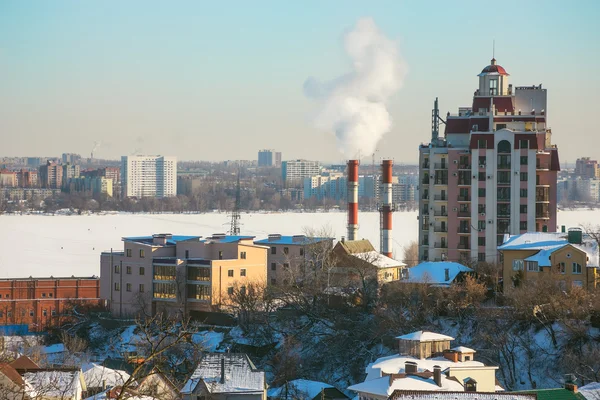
(128, 287)
(503, 146)
(230, 272)
(286, 250)
(533, 266)
(117, 269)
(274, 266)
(129, 251)
(503, 193)
(31, 313)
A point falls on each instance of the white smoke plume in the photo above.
(354, 105)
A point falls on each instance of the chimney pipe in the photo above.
(386, 208)
(410, 367)
(352, 199)
(437, 375)
(223, 370)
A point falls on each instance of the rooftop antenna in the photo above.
(494, 48)
(235, 214)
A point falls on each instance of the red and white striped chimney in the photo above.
(386, 208)
(352, 199)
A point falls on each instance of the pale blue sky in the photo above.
(220, 80)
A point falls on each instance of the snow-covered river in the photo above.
(41, 245)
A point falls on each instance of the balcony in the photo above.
(425, 242)
(441, 245)
(505, 198)
(504, 166)
(503, 214)
(440, 166)
(464, 182)
(464, 198)
(542, 199)
(542, 215)
(464, 214)
(504, 182)
(463, 229)
(425, 181)
(442, 213)
(542, 166)
(440, 229)
(425, 165)
(425, 227)
(440, 197)
(464, 246)
(464, 166)
(425, 196)
(441, 182)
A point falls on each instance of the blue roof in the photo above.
(434, 272)
(149, 239)
(290, 240)
(228, 238)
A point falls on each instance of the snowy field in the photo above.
(41, 245)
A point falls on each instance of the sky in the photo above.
(208, 80)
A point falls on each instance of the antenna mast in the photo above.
(235, 214)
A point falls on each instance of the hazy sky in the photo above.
(221, 79)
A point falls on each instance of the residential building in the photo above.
(446, 395)
(149, 176)
(587, 168)
(288, 256)
(329, 186)
(27, 178)
(70, 171)
(71, 158)
(93, 185)
(419, 364)
(570, 258)
(293, 172)
(221, 376)
(8, 178)
(269, 158)
(436, 273)
(179, 274)
(17, 194)
(577, 189)
(112, 173)
(357, 258)
(50, 175)
(303, 389)
(12, 385)
(493, 173)
(39, 303)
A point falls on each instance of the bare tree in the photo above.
(410, 254)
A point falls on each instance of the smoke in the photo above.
(354, 105)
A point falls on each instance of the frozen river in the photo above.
(41, 245)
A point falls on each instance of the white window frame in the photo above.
(518, 265)
(573, 270)
(533, 266)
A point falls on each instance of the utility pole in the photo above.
(235, 214)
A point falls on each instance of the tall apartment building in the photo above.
(179, 274)
(294, 171)
(149, 176)
(493, 173)
(70, 171)
(269, 158)
(8, 178)
(586, 168)
(71, 158)
(50, 175)
(27, 179)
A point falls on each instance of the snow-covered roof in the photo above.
(96, 375)
(591, 391)
(434, 272)
(386, 385)
(300, 389)
(378, 259)
(241, 376)
(547, 243)
(465, 396)
(463, 349)
(105, 396)
(424, 336)
(49, 384)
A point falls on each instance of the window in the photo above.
(31, 313)
(523, 193)
(164, 290)
(481, 192)
(286, 250)
(576, 268)
(117, 286)
(577, 283)
(500, 126)
(49, 295)
(198, 274)
(117, 269)
(482, 160)
(562, 268)
(243, 255)
(165, 272)
(273, 267)
(243, 289)
(141, 288)
(286, 265)
(230, 273)
(524, 144)
(142, 253)
(128, 270)
(230, 291)
(493, 87)
(504, 147)
(523, 160)
(273, 281)
(53, 312)
(6, 295)
(523, 176)
(301, 251)
(481, 176)
(187, 254)
(243, 272)
(273, 250)
(517, 265)
(128, 252)
(523, 209)
(480, 256)
(481, 144)
(199, 292)
(142, 271)
(1, 314)
(481, 208)
(128, 287)
(220, 255)
(523, 225)
(533, 266)
(481, 225)
(43, 294)
(481, 241)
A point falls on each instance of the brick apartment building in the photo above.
(45, 302)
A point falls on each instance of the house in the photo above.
(568, 392)
(426, 362)
(156, 385)
(436, 273)
(12, 384)
(98, 377)
(303, 389)
(356, 258)
(570, 258)
(441, 395)
(223, 375)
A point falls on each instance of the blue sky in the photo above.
(220, 80)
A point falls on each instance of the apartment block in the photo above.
(70, 171)
(294, 171)
(149, 176)
(493, 172)
(179, 274)
(45, 302)
(8, 178)
(587, 168)
(269, 158)
(292, 256)
(27, 178)
(50, 175)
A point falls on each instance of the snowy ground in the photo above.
(41, 245)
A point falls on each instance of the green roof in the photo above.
(555, 394)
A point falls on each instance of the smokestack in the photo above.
(386, 208)
(352, 199)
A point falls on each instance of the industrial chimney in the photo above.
(352, 199)
(386, 208)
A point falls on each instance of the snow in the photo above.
(57, 384)
(104, 396)
(301, 389)
(382, 387)
(434, 272)
(424, 336)
(209, 340)
(463, 349)
(591, 391)
(378, 260)
(96, 375)
(64, 245)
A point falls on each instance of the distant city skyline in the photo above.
(208, 81)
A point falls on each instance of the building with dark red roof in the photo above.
(492, 172)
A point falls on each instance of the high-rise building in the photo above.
(294, 172)
(27, 178)
(50, 175)
(277, 159)
(149, 176)
(269, 158)
(586, 168)
(70, 171)
(71, 158)
(493, 173)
